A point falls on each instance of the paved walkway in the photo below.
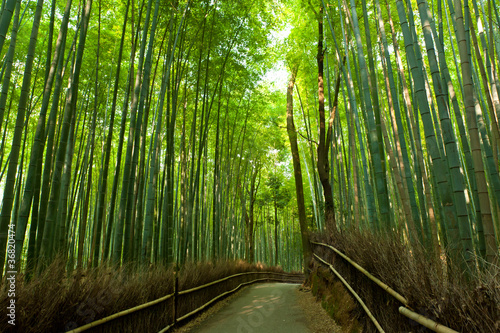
(261, 308)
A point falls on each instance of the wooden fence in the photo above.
(404, 310)
(163, 313)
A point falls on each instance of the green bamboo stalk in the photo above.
(451, 149)
(5, 18)
(121, 244)
(371, 85)
(438, 164)
(472, 124)
(8, 197)
(103, 183)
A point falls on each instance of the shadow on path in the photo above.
(261, 308)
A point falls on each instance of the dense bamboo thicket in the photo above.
(404, 98)
(150, 132)
(144, 133)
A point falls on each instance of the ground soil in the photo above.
(318, 320)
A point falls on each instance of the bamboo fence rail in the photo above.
(175, 295)
(368, 312)
(430, 324)
(436, 327)
(384, 286)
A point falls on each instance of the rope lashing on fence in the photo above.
(368, 312)
(166, 297)
(429, 323)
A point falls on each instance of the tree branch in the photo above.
(307, 139)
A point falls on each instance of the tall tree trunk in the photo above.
(323, 147)
(276, 242)
(297, 171)
(7, 76)
(38, 144)
(451, 148)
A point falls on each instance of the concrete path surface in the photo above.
(260, 308)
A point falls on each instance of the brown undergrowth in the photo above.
(335, 299)
(57, 302)
(434, 287)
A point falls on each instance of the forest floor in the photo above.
(269, 307)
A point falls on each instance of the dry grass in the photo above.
(435, 288)
(56, 302)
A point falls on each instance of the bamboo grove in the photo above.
(146, 132)
(142, 135)
(410, 91)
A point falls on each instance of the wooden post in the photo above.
(176, 296)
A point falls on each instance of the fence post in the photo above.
(176, 296)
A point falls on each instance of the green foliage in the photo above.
(223, 122)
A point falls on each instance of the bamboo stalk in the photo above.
(430, 324)
(388, 289)
(368, 312)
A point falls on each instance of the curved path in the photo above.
(260, 308)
